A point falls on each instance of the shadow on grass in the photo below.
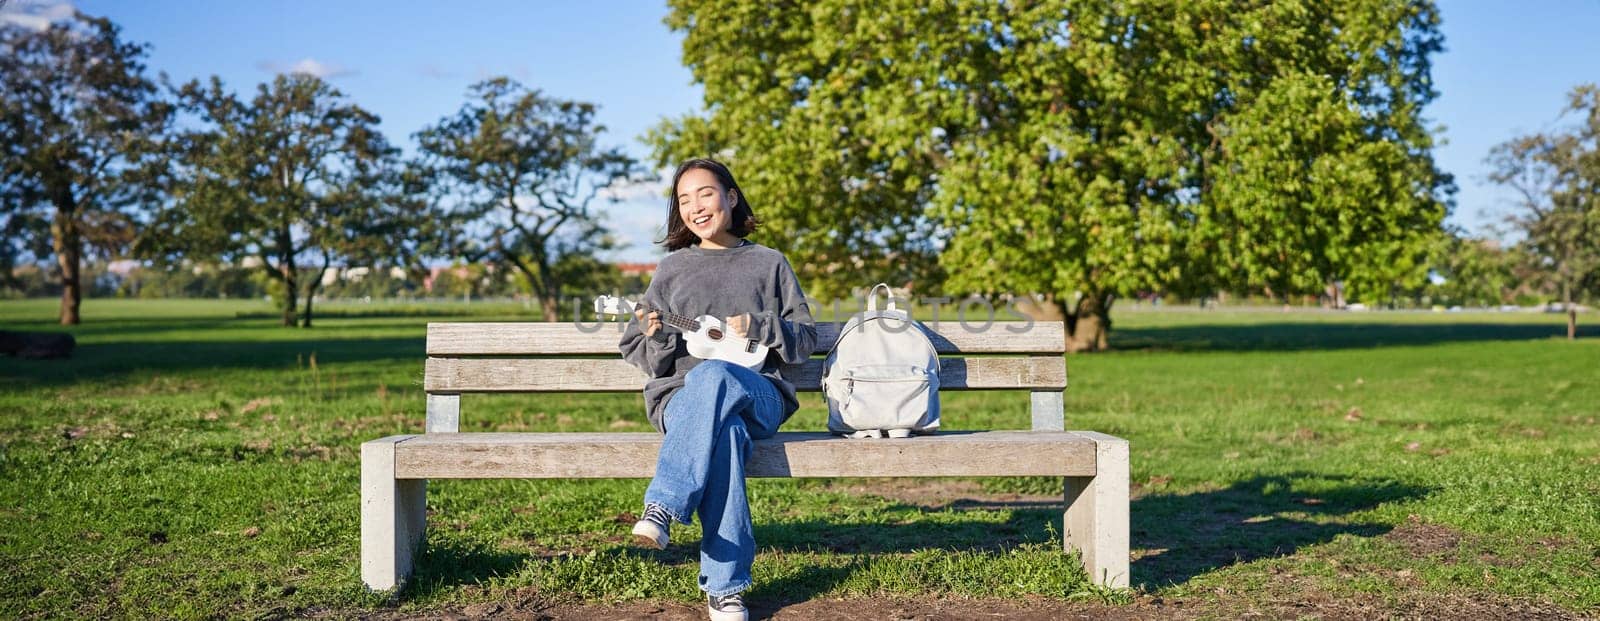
(770, 596)
(1182, 535)
(443, 565)
(1178, 536)
(100, 361)
(1186, 535)
(1289, 336)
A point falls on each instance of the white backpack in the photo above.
(882, 375)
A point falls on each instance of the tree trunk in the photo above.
(291, 291)
(311, 290)
(548, 288)
(1572, 311)
(548, 302)
(1089, 325)
(305, 320)
(69, 256)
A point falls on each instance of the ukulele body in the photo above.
(704, 337)
(713, 342)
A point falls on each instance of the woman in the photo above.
(710, 410)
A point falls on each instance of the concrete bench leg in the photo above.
(393, 516)
(1096, 519)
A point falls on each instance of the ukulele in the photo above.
(704, 336)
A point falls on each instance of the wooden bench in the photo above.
(562, 357)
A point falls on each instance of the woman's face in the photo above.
(705, 207)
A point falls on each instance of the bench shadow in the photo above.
(443, 565)
(1177, 536)
(1181, 536)
(1302, 336)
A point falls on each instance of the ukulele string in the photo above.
(681, 322)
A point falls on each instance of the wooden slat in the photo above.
(633, 455)
(464, 375)
(528, 339)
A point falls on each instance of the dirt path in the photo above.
(1310, 605)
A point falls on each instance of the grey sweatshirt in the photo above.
(697, 281)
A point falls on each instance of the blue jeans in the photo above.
(710, 423)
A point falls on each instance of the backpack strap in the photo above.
(872, 298)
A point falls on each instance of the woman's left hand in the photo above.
(739, 325)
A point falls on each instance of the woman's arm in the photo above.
(652, 354)
(790, 330)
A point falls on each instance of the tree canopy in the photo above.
(518, 173)
(294, 177)
(1081, 150)
(79, 124)
(1556, 176)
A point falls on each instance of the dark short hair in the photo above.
(744, 218)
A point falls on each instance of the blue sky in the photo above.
(1505, 71)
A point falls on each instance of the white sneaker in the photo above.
(652, 530)
(727, 608)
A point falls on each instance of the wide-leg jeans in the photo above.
(710, 423)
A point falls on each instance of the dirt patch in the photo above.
(1420, 539)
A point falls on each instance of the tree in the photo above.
(1556, 177)
(1472, 271)
(296, 177)
(79, 120)
(1083, 150)
(521, 172)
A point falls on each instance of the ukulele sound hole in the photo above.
(715, 334)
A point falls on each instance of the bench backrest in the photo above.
(565, 357)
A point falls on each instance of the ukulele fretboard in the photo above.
(680, 322)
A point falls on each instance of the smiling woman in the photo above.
(711, 410)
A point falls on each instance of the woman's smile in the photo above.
(706, 207)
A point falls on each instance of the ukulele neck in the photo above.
(681, 322)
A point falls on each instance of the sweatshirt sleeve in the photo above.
(789, 330)
(651, 354)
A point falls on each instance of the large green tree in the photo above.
(294, 180)
(78, 123)
(1080, 150)
(519, 173)
(1556, 176)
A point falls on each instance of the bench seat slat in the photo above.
(789, 454)
(565, 338)
(468, 375)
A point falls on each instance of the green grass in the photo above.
(195, 460)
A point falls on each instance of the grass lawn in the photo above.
(194, 460)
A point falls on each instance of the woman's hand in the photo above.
(650, 321)
(739, 325)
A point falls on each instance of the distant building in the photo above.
(637, 269)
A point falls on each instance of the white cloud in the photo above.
(310, 66)
(35, 14)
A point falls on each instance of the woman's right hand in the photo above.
(650, 321)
